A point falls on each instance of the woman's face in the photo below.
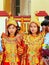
(33, 28)
(12, 29)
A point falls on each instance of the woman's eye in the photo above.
(35, 26)
(9, 28)
(13, 28)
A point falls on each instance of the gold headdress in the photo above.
(12, 21)
(35, 19)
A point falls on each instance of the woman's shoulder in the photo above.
(4, 35)
(42, 33)
(26, 36)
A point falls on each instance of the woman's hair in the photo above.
(29, 31)
(17, 29)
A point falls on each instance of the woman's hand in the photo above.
(20, 50)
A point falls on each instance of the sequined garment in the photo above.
(34, 49)
(14, 51)
(10, 56)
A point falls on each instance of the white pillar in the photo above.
(1, 5)
(25, 7)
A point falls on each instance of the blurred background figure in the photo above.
(45, 26)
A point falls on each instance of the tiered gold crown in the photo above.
(35, 19)
(12, 21)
